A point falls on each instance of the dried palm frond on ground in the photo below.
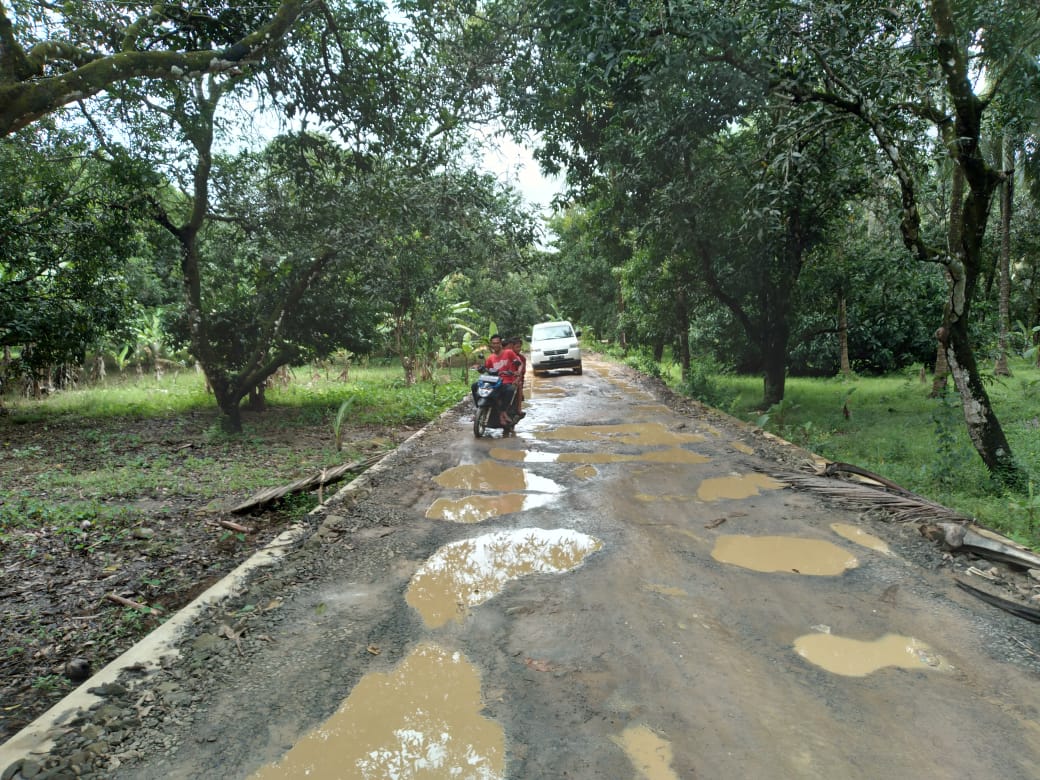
(883, 494)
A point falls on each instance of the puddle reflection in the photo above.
(671, 455)
(638, 434)
(420, 720)
(490, 476)
(469, 572)
(474, 509)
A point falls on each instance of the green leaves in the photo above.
(69, 223)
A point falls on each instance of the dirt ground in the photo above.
(653, 638)
(55, 579)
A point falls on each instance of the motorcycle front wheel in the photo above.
(480, 421)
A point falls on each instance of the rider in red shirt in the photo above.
(506, 362)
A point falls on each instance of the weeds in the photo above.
(896, 430)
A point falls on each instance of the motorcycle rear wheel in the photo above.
(480, 421)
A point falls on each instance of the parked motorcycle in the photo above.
(490, 397)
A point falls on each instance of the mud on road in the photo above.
(620, 590)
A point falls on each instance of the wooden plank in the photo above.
(322, 478)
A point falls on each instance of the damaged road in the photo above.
(620, 590)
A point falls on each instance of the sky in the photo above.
(514, 164)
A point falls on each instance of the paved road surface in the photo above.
(618, 591)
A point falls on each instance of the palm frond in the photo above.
(903, 506)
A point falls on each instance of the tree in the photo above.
(70, 225)
(897, 71)
(934, 80)
(52, 56)
(451, 222)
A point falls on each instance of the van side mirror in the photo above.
(577, 334)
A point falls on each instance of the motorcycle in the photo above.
(490, 397)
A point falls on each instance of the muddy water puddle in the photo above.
(476, 509)
(736, 486)
(421, 719)
(467, 573)
(650, 754)
(671, 455)
(856, 534)
(858, 658)
(490, 476)
(815, 557)
(647, 434)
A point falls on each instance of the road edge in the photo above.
(38, 736)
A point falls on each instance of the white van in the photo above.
(555, 345)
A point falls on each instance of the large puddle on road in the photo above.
(671, 455)
(637, 434)
(420, 720)
(784, 554)
(523, 456)
(650, 754)
(475, 509)
(856, 534)
(490, 476)
(856, 658)
(466, 573)
(736, 487)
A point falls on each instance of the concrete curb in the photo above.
(37, 737)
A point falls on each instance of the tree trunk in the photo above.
(257, 398)
(985, 430)
(774, 365)
(1001, 368)
(682, 319)
(965, 266)
(843, 338)
(953, 246)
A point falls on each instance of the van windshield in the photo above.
(545, 332)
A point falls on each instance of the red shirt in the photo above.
(506, 360)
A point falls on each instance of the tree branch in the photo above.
(24, 99)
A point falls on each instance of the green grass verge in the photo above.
(896, 430)
(93, 454)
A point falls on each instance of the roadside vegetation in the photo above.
(760, 192)
(124, 490)
(891, 426)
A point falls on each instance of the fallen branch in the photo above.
(242, 529)
(130, 603)
(988, 545)
(1019, 610)
(322, 478)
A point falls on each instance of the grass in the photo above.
(75, 456)
(896, 430)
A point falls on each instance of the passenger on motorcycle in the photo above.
(516, 344)
(507, 364)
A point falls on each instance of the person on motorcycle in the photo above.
(507, 364)
(516, 344)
